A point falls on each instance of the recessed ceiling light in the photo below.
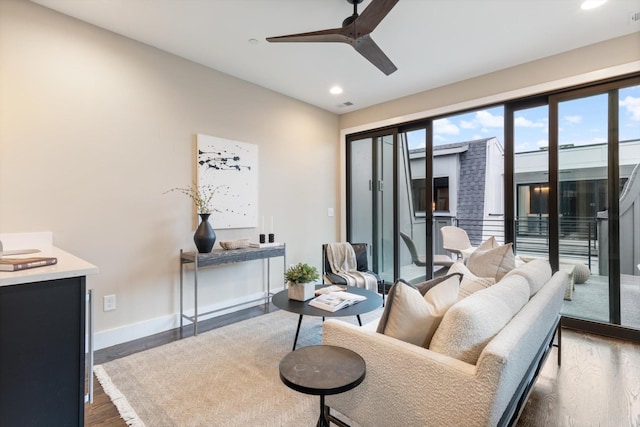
(253, 41)
(591, 4)
(336, 90)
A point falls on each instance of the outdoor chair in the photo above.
(442, 261)
(456, 240)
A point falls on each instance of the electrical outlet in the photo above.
(109, 303)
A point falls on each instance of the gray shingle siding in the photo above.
(473, 165)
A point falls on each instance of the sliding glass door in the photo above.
(371, 199)
(598, 201)
(558, 175)
(629, 203)
(583, 180)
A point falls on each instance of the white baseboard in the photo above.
(134, 331)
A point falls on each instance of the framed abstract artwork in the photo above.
(231, 167)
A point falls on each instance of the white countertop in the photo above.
(68, 266)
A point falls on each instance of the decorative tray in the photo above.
(234, 244)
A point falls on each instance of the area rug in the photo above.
(225, 377)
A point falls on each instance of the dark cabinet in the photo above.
(42, 353)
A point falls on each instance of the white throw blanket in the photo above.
(342, 260)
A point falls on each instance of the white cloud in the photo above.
(483, 119)
(573, 119)
(486, 119)
(444, 126)
(526, 123)
(542, 143)
(633, 107)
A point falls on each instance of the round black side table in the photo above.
(322, 370)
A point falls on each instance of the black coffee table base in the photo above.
(295, 340)
(323, 370)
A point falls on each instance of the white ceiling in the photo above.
(432, 42)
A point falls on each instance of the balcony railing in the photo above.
(578, 235)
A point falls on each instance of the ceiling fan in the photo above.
(355, 31)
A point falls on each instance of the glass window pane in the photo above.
(412, 205)
(531, 180)
(629, 153)
(582, 204)
(468, 173)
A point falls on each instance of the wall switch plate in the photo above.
(109, 303)
(330, 212)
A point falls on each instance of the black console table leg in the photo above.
(359, 321)
(295, 341)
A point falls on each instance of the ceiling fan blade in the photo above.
(372, 15)
(332, 35)
(370, 50)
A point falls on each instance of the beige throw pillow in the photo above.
(494, 262)
(470, 283)
(490, 243)
(413, 318)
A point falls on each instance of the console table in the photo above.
(219, 257)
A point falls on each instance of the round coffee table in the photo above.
(281, 300)
(322, 370)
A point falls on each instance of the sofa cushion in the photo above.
(470, 283)
(492, 262)
(537, 272)
(469, 325)
(411, 317)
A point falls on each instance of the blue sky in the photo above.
(581, 122)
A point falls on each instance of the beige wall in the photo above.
(95, 127)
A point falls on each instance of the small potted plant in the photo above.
(300, 280)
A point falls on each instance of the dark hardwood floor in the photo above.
(102, 412)
(598, 383)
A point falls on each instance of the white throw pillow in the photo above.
(469, 325)
(413, 318)
(493, 262)
(470, 283)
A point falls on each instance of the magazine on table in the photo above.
(334, 301)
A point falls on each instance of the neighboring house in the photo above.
(468, 185)
(583, 183)
(468, 182)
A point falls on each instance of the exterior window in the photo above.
(440, 195)
(539, 199)
(418, 187)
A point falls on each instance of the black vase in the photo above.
(204, 237)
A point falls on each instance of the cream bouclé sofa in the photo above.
(409, 385)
